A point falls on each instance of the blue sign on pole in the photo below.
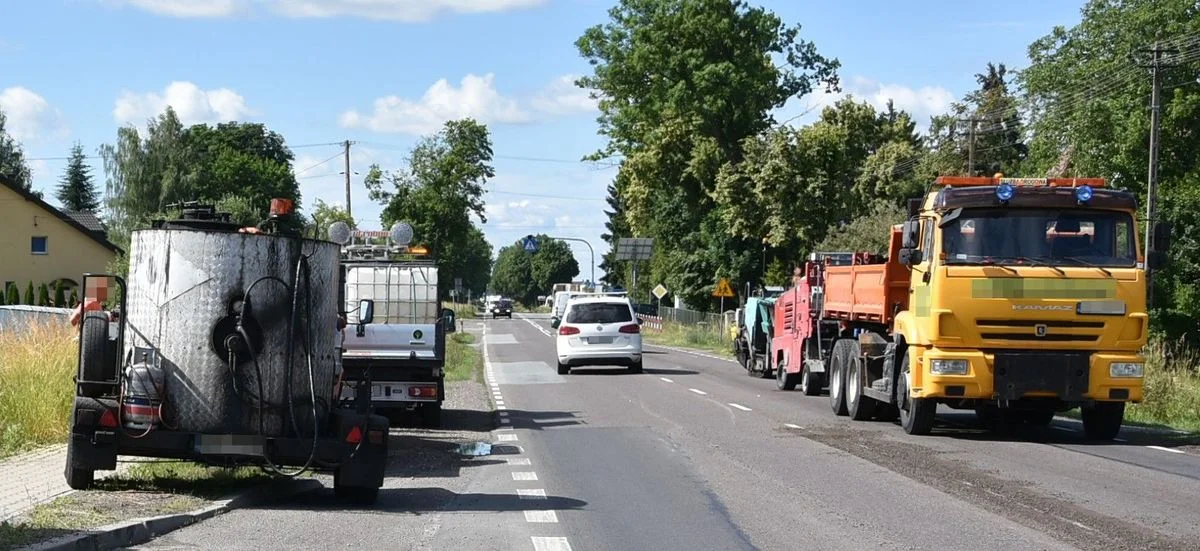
(530, 244)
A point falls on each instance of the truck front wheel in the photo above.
(1103, 420)
(916, 414)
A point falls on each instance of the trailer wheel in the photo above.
(810, 383)
(78, 479)
(916, 414)
(785, 380)
(837, 377)
(1103, 420)
(96, 363)
(859, 406)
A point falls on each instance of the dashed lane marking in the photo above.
(698, 391)
(512, 461)
(1160, 448)
(666, 379)
(524, 475)
(506, 437)
(541, 516)
(504, 414)
(531, 494)
(739, 406)
(792, 426)
(550, 544)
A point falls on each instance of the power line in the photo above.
(564, 197)
(336, 155)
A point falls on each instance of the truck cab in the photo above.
(395, 338)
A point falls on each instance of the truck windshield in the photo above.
(1075, 237)
(599, 312)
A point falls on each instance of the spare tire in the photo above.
(97, 363)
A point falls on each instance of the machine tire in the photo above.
(859, 406)
(563, 369)
(811, 383)
(785, 380)
(636, 368)
(837, 378)
(431, 416)
(918, 418)
(95, 361)
(78, 479)
(1103, 420)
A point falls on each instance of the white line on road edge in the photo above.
(550, 544)
(519, 461)
(739, 406)
(691, 352)
(538, 327)
(505, 421)
(791, 426)
(698, 391)
(524, 475)
(541, 516)
(506, 438)
(666, 379)
(501, 408)
(531, 494)
(1160, 448)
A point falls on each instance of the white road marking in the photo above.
(501, 407)
(531, 494)
(666, 379)
(791, 426)
(524, 475)
(505, 428)
(550, 544)
(538, 327)
(692, 352)
(499, 402)
(1160, 448)
(504, 414)
(506, 438)
(698, 391)
(519, 461)
(739, 406)
(541, 516)
(505, 421)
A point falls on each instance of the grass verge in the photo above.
(37, 366)
(463, 311)
(690, 336)
(463, 361)
(1172, 388)
(145, 490)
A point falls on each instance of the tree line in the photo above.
(688, 91)
(43, 296)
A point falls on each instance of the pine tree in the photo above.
(14, 294)
(617, 227)
(76, 191)
(3, 297)
(29, 298)
(60, 295)
(43, 295)
(74, 299)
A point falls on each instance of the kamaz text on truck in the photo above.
(395, 339)
(1017, 298)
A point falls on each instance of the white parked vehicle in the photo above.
(598, 330)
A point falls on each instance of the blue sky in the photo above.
(382, 72)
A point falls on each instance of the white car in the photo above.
(598, 330)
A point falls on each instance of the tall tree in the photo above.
(615, 228)
(439, 191)
(513, 274)
(325, 215)
(76, 191)
(13, 167)
(523, 275)
(681, 84)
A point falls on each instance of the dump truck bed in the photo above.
(871, 289)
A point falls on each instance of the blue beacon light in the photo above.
(1083, 193)
(1005, 191)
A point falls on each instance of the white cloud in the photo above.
(407, 11)
(922, 103)
(192, 104)
(30, 116)
(475, 97)
(562, 97)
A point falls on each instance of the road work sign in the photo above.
(723, 289)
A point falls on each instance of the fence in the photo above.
(715, 322)
(16, 317)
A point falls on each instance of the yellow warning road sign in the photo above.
(723, 289)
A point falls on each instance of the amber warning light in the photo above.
(281, 207)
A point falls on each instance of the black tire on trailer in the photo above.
(78, 479)
(1103, 420)
(859, 406)
(96, 363)
(431, 415)
(837, 377)
(811, 383)
(916, 414)
(563, 369)
(785, 380)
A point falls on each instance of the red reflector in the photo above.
(568, 330)
(355, 435)
(108, 419)
(631, 328)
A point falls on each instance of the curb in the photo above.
(138, 531)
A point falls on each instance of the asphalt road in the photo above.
(694, 454)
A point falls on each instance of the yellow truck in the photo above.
(1017, 298)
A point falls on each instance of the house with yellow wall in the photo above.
(43, 244)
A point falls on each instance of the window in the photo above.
(1051, 236)
(38, 245)
(599, 312)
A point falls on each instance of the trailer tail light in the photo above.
(632, 329)
(355, 435)
(108, 419)
(423, 391)
(568, 330)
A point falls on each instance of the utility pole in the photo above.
(1156, 65)
(346, 144)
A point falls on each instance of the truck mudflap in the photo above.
(354, 447)
(1065, 374)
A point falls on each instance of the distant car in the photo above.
(502, 308)
(598, 330)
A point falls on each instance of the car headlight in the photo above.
(950, 367)
(1126, 369)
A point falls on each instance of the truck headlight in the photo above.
(950, 367)
(1125, 369)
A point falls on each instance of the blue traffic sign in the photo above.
(530, 244)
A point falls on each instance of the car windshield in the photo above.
(1040, 236)
(599, 312)
(504, 304)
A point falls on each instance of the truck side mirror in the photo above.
(910, 257)
(910, 234)
(448, 316)
(554, 322)
(366, 311)
(1161, 238)
(1157, 260)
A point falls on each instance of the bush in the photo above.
(14, 294)
(43, 295)
(37, 368)
(30, 300)
(1172, 386)
(60, 295)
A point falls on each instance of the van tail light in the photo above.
(631, 328)
(568, 330)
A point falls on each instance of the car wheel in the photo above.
(636, 367)
(563, 369)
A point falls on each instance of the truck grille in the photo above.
(1026, 330)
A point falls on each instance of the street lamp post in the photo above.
(589, 246)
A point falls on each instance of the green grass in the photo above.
(184, 477)
(463, 311)
(690, 336)
(463, 362)
(1172, 388)
(37, 366)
